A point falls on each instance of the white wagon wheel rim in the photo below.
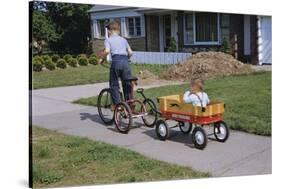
(199, 137)
(162, 130)
(220, 131)
(185, 127)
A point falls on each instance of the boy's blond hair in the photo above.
(114, 26)
(197, 82)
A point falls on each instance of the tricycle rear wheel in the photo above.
(185, 127)
(162, 130)
(123, 117)
(221, 131)
(199, 138)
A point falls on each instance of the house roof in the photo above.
(103, 8)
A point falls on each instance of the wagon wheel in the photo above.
(221, 131)
(199, 138)
(162, 130)
(104, 106)
(185, 127)
(123, 117)
(150, 119)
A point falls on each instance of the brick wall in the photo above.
(97, 45)
(137, 44)
(236, 28)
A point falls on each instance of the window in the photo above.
(206, 27)
(101, 27)
(134, 26)
(167, 31)
(201, 28)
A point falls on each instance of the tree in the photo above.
(65, 27)
(43, 30)
(72, 23)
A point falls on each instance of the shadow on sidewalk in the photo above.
(92, 117)
(96, 118)
(178, 136)
(175, 136)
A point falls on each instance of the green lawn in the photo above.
(61, 160)
(247, 98)
(83, 75)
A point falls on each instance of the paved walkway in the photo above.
(262, 68)
(242, 154)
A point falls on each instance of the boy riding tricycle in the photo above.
(113, 105)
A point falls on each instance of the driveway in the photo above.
(241, 154)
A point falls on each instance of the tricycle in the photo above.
(188, 116)
(125, 111)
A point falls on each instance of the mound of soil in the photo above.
(145, 74)
(206, 65)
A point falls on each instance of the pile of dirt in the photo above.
(145, 74)
(146, 77)
(206, 65)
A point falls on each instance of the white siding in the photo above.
(141, 57)
(264, 40)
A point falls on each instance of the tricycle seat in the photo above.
(132, 78)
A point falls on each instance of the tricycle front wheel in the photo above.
(150, 119)
(162, 130)
(104, 106)
(199, 138)
(221, 131)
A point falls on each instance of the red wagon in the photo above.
(188, 117)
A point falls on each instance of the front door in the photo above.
(167, 31)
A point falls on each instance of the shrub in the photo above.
(225, 46)
(172, 45)
(82, 55)
(83, 61)
(61, 63)
(73, 62)
(38, 58)
(55, 58)
(50, 65)
(46, 57)
(37, 66)
(93, 60)
(67, 57)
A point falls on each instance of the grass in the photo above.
(247, 98)
(61, 160)
(83, 75)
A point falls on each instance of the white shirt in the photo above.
(196, 99)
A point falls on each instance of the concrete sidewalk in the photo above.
(242, 154)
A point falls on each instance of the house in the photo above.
(151, 29)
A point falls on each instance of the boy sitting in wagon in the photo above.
(196, 96)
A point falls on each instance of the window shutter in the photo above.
(142, 26)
